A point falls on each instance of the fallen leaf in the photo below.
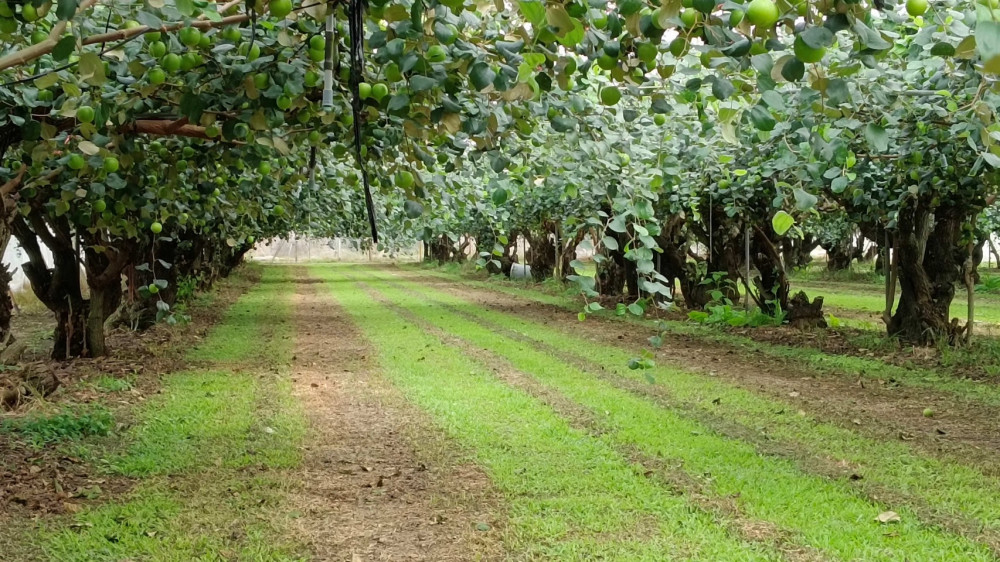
(888, 517)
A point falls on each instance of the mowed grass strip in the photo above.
(950, 489)
(811, 358)
(190, 447)
(771, 489)
(256, 329)
(570, 496)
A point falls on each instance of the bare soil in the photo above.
(378, 481)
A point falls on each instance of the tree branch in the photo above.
(45, 47)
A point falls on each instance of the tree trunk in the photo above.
(926, 235)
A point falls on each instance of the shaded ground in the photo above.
(57, 479)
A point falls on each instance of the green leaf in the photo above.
(761, 118)
(413, 209)
(722, 88)
(942, 50)
(839, 185)
(420, 83)
(782, 222)
(793, 70)
(804, 200)
(91, 69)
(877, 137)
(817, 37)
(563, 124)
(558, 19)
(66, 9)
(532, 11)
(610, 243)
(64, 48)
(185, 7)
(988, 39)
(482, 75)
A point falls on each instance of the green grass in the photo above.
(804, 357)
(108, 383)
(255, 329)
(571, 497)
(190, 448)
(69, 424)
(771, 489)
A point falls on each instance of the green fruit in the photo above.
(610, 95)
(157, 49)
(612, 48)
(763, 13)
(212, 131)
(190, 60)
(181, 166)
(153, 37)
(280, 8)
(119, 208)
(279, 210)
(928, 413)
(312, 78)
(380, 91)
(111, 164)
(85, 114)
(392, 72)
(190, 36)
(404, 180)
(156, 76)
(132, 24)
(232, 34)
(29, 13)
(254, 53)
(99, 206)
(171, 63)
(157, 228)
(317, 43)
(606, 62)
(315, 137)
(690, 17)
(188, 152)
(735, 18)
(152, 288)
(241, 130)
(284, 102)
(76, 162)
(916, 7)
(437, 53)
(647, 52)
(38, 36)
(205, 42)
(805, 53)
(659, 119)
(316, 56)
(251, 239)
(5, 10)
(45, 95)
(678, 47)
(264, 168)
(364, 90)
(261, 80)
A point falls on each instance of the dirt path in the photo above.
(378, 483)
(960, 429)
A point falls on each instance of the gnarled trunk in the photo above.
(928, 241)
